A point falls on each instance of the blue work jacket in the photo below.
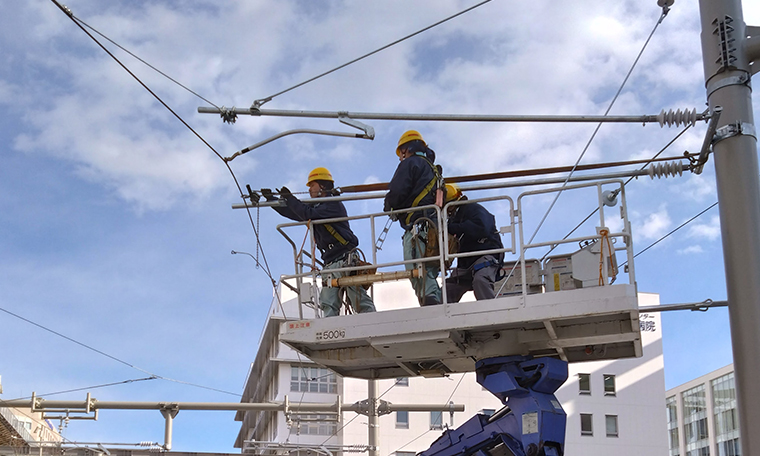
(412, 177)
(333, 245)
(476, 229)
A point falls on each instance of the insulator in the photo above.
(677, 118)
(666, 169)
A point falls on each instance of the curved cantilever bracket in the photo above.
(696, 166)
(369, 133)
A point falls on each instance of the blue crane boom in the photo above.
(531, 423)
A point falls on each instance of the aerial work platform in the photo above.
(563, 302)
(577, 325)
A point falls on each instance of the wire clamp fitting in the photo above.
(228, 115)
(734, 129)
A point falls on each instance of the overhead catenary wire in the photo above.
(261, 101)
(86, 388)
(141, 60)
(665, 10)
(265, 265)
(664, 13)
(111, 356)
(673, 231)
(646, 162)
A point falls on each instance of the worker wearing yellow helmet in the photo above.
(476, 231)
(335, 240)
(415, 183)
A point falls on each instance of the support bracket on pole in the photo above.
(696, 167)
(169, 411)
(742, 79)
(364, 407)
(734, 129)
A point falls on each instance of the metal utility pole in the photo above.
(373, 437)
(727, 53)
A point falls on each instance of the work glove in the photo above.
(267, 193)
(284, 192)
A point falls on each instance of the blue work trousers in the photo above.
(329, 297)
(479, 278)
(426, 288)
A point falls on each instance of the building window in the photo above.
(611, 424)
(671, 407)
(729, 448)
(695, 421)
(402, 381)
(313, 380)
(587, 427)
(402, 420)
(315, 424)
(436, 420)
(584, 383)
(488, 412)
(726, 420)
(609, 385)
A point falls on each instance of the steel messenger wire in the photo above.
(266, 268)
(664, 13)
(261, 101)
(229, 168)
(646, 162)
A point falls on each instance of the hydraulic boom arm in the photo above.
(531, 423)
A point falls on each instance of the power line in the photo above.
(654, 158)
(86, 388)
(673, 231)
(143, 61)
(664, 13)
(113, 357)
(229, 168)
(261, 101)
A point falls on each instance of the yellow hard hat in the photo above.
(319, 174)
(410, 135)
(453, 192)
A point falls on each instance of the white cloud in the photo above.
(654, 225)
(109, 127)
(709, 230)
(692, 249)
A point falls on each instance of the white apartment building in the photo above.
(612, 406)
(21, 429)
(702, 417)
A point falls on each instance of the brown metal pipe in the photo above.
(519, 173)
(366, 279)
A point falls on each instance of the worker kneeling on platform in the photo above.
(475, 228)
(335, 241)
(414, 184)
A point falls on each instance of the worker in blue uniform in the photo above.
(335, 241)
(414, 184)
(476, 231)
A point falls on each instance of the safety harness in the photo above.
(437, 179)
(335, 234)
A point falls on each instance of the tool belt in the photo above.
(356, 258)
(426, 226)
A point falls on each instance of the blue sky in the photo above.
(116, 224)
